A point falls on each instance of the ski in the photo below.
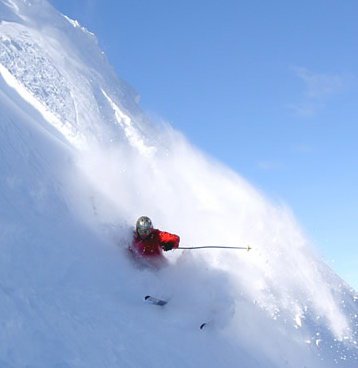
(161, 302)
(155, 301)
(208, 324)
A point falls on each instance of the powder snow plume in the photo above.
(80, 162)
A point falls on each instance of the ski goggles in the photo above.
(144, 232)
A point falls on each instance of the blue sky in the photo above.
(269, 88)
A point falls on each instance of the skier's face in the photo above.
(144, 233)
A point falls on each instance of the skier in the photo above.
(149, 243)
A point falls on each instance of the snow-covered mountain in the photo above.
(79, 162)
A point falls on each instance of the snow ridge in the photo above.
(65, 79)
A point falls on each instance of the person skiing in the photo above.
(149, 243)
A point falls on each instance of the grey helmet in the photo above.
(144, 226)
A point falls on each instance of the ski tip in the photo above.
(203, 325)
(155, 301)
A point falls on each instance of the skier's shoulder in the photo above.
(155, 234)
(135, 235)
(164, 235)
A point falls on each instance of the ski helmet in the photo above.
(144, 226)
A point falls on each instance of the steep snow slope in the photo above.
(79, 163)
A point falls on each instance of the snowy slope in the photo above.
(79, 163)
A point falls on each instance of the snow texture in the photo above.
(79, 162)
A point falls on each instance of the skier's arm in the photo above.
(168, 241)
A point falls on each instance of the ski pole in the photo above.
(216, 247)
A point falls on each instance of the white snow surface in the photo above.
(79, 163)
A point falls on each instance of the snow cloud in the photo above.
(187, 193)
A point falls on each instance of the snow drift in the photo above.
(79, 163)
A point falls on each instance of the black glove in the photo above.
(168, 246)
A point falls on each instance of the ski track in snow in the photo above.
(79, 163)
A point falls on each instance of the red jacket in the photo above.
(152, 246)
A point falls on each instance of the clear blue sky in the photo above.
(269, 88)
